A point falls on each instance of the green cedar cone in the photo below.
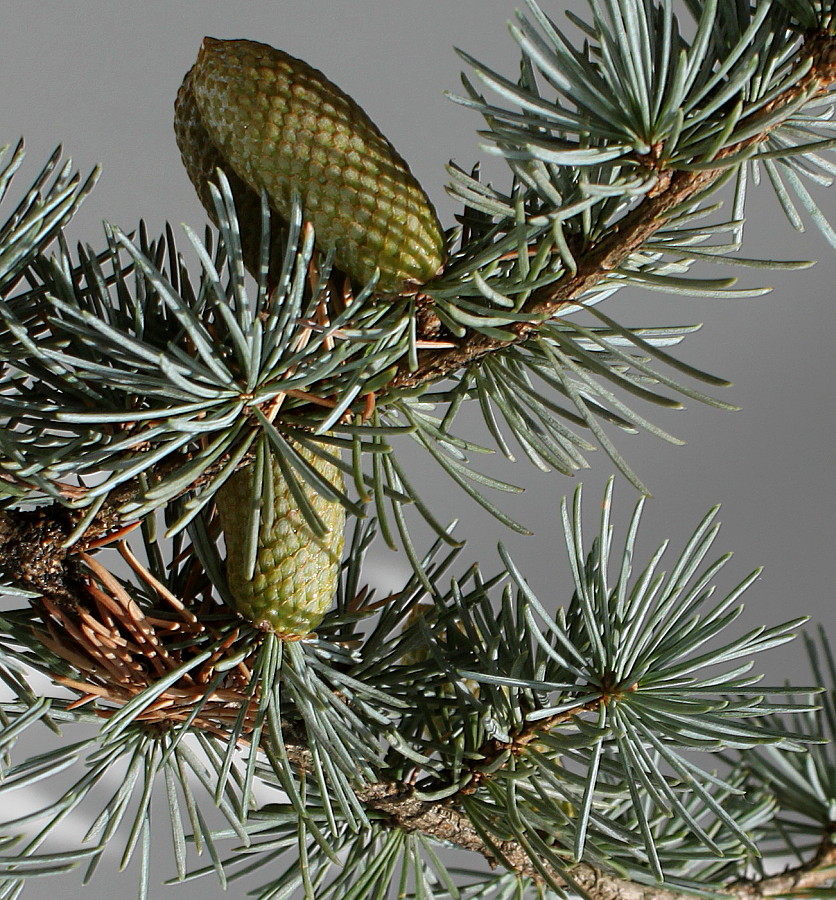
(281, 126)
(296, 572)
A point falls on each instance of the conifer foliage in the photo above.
(203, 435)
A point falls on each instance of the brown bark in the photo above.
(445, 823)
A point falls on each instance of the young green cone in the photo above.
(296, 572)
(282, 127)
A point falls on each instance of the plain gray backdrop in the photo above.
(100, 78)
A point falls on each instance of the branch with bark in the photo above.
(90, 621)
(33, 544)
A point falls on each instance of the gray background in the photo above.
(100, 77)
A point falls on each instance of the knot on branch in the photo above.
(33, 552)
(821, 48)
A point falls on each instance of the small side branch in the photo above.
(594, 263)
(444, 822)
(627, 236)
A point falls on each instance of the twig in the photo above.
(444, 822)
(596, 261)
(31, 547)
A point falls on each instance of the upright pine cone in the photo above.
(282, 127)
(296, 572)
